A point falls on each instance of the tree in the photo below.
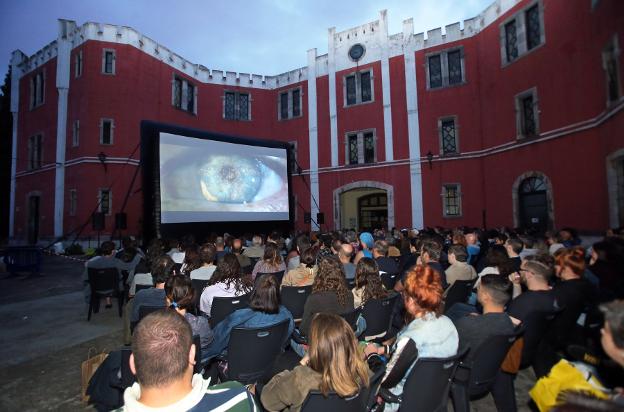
(6, 137)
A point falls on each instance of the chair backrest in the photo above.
(145, 310)
(352, 316)
(252, 351)
(223, 306)
(103, 279)
(428, 384)
(535, 327)
(487, 360)
(278, 275)
(389, 279)
(140, 286)
(177, 267)
(378, 314)
(198, 287)
(315, 401)
(254, 260)
(294, 299)
(459, 292)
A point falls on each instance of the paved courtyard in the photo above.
(46, 336)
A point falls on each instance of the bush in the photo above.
(74, 249)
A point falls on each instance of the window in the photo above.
(361, 148)
(289, 104)
(445, 68)
(37, 89)
(358, 88)
(447, 130)
(236, 106)
(104, 200)
(522, 32)
(76, 133)
(184, 95)
(527, 114)
(78, 64)
(610, 57)
(292, 158)
(106, 131)
(35, 154)
(451, 200)
(73, 202)
(108, 61)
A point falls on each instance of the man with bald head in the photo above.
(344, 254)
(237, 249)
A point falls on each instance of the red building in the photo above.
(513, 117)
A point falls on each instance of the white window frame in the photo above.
(73, 201)
(360, 144)
(358, 87)
(37, 83)
(78, 64)
(612, 48)
(440, 136)
(520, 114)
(35, 154)
(112, 131)
(444, 67)
(184, 94)
(114, 71)
(291, 101)
(521, 33)
(445, 188)
(237, 105)
(76, 133)
(110, 200)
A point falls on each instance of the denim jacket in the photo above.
(248, 318)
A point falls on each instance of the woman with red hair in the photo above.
(429, 334)
(572, 292)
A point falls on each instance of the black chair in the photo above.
(177, 267)
(315, 401)
(223, 306)
(104, 282)
(350, 283)
(352, 317)
(459, 292)
(140, 286)
(389, 279)
(254, 260)
(252, 351)
(144, 310)
(378, 316)
(198, 287)
(475, 377)
(278, 275)
(294, 299)
(428, 384)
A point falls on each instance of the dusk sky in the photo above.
(263, 36)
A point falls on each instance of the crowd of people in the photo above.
(519, 280)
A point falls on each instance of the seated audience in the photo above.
(613, 331)
(237, 250)
(256, 250)
(569, 237)
(271, 261)
(264, 310)
(179, 296)
(163, 356)
(428, 335)
(493, 294)
(329, 293)
(345, 253)
(430, 252)
(367, 282)
(366, 245)
(192, 260)
(207, 255)
(528, 246)
(514, 247)
(496, 262)
(301, 243)
(459, 268)
(105, 260)
(227, 281)
(606, 262)
(155, 296)
(333, 364)
(305, 273)
(219, 248)
(472, 247)
(538, 297)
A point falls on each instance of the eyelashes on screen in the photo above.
(236, 179)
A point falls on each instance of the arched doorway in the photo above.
(532, 197)
(364, 205)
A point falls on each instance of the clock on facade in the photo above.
(356, 52)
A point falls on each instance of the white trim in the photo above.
(370, 184)
(114, 53)
(313, 135)
(333, 110)
(387, 105)
(13, 175)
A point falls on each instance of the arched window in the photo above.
(533, 202)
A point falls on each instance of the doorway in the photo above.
(34, 202)
(533, 204)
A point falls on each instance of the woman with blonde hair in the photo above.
(334, 364)
(271, 262)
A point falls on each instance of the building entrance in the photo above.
(364, 209)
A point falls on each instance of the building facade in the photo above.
(512, 118)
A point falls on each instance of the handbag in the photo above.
(88, 368)
(565, 376)
(511, 363)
